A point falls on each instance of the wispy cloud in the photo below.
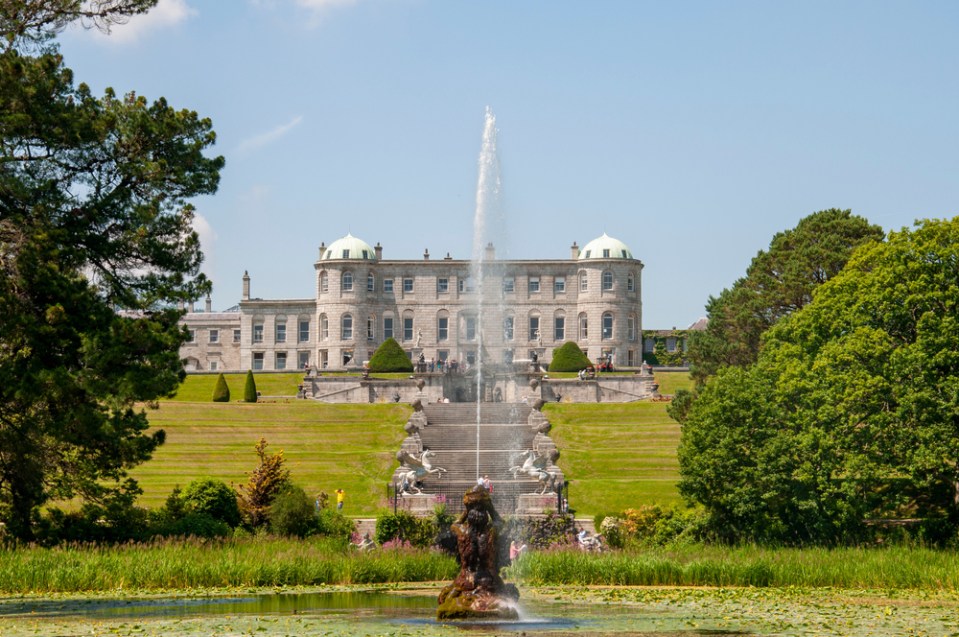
(320, 5)
(166, 14)
(259, 141)
(207, 241)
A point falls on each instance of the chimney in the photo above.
(448, 257)
(426, 254)
(322, 249)
(574, 251)
(209, 304)
(246, 285)
(378, 249)
(490, 252)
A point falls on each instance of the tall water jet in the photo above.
(487, 215)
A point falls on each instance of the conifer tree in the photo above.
(249, 388)
(221, 393)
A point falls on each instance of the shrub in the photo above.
(249, 388)
(553, 529)
(221, 392)
(265, 482)
(390, 357)
(568, 358)
(405, 527)
(193, 525)
(332, 523)
(292, 513)
(214, 498)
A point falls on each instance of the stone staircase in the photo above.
(465, 450)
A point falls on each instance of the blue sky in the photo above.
(692, 131)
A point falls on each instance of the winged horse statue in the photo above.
(419, 467)
(534, 466)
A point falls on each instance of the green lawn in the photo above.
(615, 455)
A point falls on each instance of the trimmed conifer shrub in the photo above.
(390, 357)
(249, 389)
(568, 358)
(221, 393)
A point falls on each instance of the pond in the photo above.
(560, 612)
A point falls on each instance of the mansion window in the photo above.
(388, 286)
(630, 283)
(559, 285)
(370, 283)
(559, 328)
(508, 328)
(213, 366)
(534, 285)
(192, 337)
(583, 327)
(387, 327)
(304, 332)
(214, 336)
(509, 285)
(346, 253)
(607, 326)
(470, 328)
(302, 360)
(370, 328)
(346, 332)
(237, 335)
(281, 332)
(671, 344)
(408, 284)
(605, 253)
(443, 328)
(258, 333)
(257, 360)
(324, 327)
(649, 344)
(407, 328)
(631, 327)
(534, 328)
(583, 282)
(324, 281)
(442, 285)
(347, 281)
(280, 360)
(607, 280)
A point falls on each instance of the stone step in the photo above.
(441, 413)
(437, 437)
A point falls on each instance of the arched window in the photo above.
(631, 283)
(607, 280)
(387, 326)
(371, 327)
(324, 327)
(407, 325)
(347, 281)
(346, 333)
(508, 326)
(607, 326)
(631, 326)
(324, 281)
(535, 329)
(583, 327)
(559, 326)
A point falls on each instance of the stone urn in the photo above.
(478, 592)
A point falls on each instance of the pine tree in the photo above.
(249, 389)
(221, 393)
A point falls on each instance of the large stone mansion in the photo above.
(432, 308)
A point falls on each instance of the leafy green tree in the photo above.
(265, 482)
(214, 498)
(221, 392)
(390, 357)
(851, 411)
(778, 282)
(249, 388)
(568, 357)
(292, 513)
(93, 217)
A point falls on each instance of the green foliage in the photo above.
(405, 527)
(551, 530)
(249, 388)
(292, 513)
(221, 393)
(214, 498)
(263, 485)
(390, 357)
(95, 215)
(850, 412)
(334, 524)
(778, 282)
(568, 357)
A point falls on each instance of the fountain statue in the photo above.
(478, 592)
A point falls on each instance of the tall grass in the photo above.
(195, 564)
(893, 567)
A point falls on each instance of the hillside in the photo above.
(615, 455)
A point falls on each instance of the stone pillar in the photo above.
(208, 306)
(246, 286)
(378, 250)
(574, 251)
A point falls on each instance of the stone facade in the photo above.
(431, 308)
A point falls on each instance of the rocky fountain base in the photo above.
(478, 592)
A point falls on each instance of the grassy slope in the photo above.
(615, 455)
